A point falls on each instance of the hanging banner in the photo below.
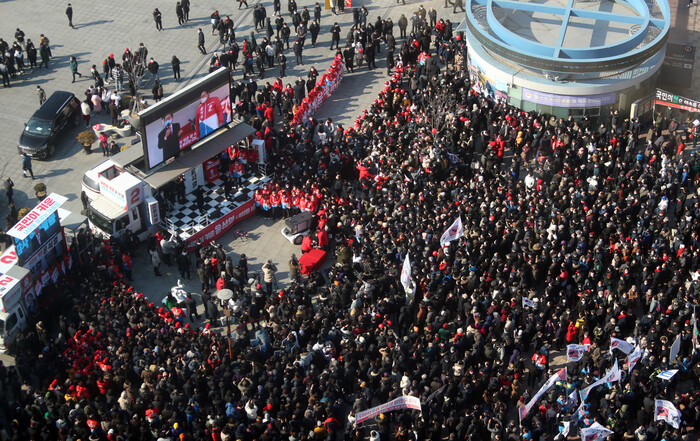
(669, 99)
(666, 411)
(325, 86)
(595, 433)
(612, 375)
(405, 402)
(455, 231)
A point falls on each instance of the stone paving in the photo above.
(102, 28)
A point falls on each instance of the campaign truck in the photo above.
(182, 139)
(37, 258)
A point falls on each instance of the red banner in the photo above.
(217, 228)
(211, 170)
(325, 86)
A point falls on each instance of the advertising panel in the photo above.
(552, 99)
(39, 214)
(39, 241)
(176, 123)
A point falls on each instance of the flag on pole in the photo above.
(595, 433)
(574, 353)
(573, 398)
(675, 349)
(559, 376)
(695, 333)
(406, 273)
(612, 375)
(455, 231)
(667, 375)
(616, 343)
(527, 302)
(565, 429)
(666, 411)
(634, 357)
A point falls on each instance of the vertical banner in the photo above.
(675, 349)
(211, 170)
(406, 273)
(634, 357)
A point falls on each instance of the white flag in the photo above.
(695, 332)
(565, 430)
(612, 375)
(559, 376)
(575, 353)
(595, 433)
(527, 302)
(455, 231)
(666, 411)
(675, 349)
(634, 357)
(667, 375)
(406, 273)
(573, 398)
(616, 343)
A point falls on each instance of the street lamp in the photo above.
(225, 295)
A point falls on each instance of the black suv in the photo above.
(38, 138)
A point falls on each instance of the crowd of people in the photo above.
(595, 226)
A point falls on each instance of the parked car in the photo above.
(59, 113)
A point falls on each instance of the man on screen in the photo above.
(169, 137)
(209, 116)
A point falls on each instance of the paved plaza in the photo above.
(103, 28)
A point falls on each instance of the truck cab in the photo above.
(109, 219)
(11, 323)
(120, 205)
(13, 306)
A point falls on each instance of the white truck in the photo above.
(122, 195)
(118, 199)
(17, 298)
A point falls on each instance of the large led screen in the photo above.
(172, 126)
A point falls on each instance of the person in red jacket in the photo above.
(322, 238)
(306, 244)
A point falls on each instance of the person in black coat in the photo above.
(180, 14)
(200, 42)
(169, 137)
(175, 63)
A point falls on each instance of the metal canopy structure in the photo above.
(639, 31)
(200, 152)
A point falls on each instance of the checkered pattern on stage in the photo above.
(185, 219)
